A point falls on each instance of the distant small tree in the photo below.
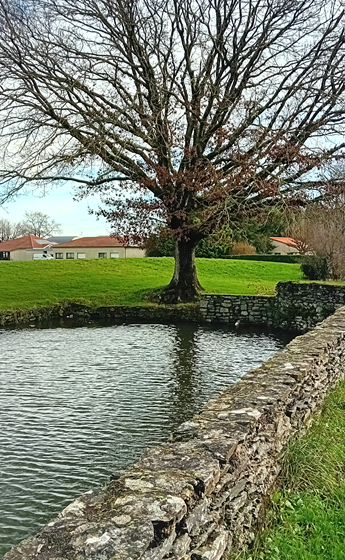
(6, 229)
(38, 223)
(257, 230)
(320, 234)
(217, 245)
(160, 244)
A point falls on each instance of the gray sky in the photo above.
(59, 205)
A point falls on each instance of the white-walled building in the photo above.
(97, 248)
(25, 248)
(284, 245)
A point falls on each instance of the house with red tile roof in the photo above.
(103, 247)
(25, 248)
(284, 245)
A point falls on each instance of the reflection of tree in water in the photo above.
(186, 393)
(199, 372)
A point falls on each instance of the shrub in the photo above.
(161, 245)
(315, 268)
(209, 249)
(243, 248)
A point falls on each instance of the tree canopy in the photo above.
(195, 113)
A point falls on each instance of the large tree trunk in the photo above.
(184, 286)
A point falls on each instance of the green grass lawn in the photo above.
(307, 517)
(128, 281)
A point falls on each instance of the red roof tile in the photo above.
(94, 242)
(285, 240)
(26, 242)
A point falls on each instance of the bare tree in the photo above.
(319, 231)
(6, 229)
(39, 224)
(205, 110)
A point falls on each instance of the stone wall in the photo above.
(295, 307)
(200, 495)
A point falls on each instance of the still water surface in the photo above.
(78, 404)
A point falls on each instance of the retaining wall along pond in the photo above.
(295, 307)
(200, 495)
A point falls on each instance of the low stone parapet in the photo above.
(200, 495)
(297, 307)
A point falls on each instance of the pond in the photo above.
(78, 404)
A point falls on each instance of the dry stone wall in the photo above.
(296, 307)
(200, 495)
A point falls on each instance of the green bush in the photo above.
(315, 268)
(161, 245)
(208, 249)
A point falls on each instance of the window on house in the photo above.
(114, 255)
(81, 256)
(102, 255)
(69, 255)
(59, 255)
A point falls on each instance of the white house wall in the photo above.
(93, 252)
(134, 252)
(282, 248)
(26, 254)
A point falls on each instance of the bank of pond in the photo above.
(305, 519)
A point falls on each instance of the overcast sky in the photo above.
(59, 204)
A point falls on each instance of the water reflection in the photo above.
(78, 404)
(185, 389)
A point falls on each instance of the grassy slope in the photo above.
(308, 514)
(126, 281)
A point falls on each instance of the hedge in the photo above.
(271, 258)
